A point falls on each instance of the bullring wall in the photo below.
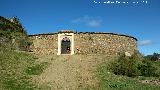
(86, 43)
(104, 43)
(44, 44)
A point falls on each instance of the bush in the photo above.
(148, 69)
(125, 65)
(153, 57)
(136, 65)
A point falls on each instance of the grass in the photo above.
(17, 69)
(13, 67)
(36, 69)
(110, 81)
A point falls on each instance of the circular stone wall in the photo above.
(104, 43)
(86, 43)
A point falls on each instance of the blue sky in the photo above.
(141, 20)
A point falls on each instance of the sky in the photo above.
(137, 18)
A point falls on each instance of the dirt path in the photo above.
(68, 72)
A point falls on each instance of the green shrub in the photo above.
(125, 65)
(148, 69)
(136, 65)
(109, 81)
(155, 57)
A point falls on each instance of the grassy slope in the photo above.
(63, 72)
(79, 72)
(110, 81)
(13, 66)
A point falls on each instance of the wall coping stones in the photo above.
(42, 34)
(66, 31)
(85, 33)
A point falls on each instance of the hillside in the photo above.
(23, 71)
(12, 70)
(88, 72)
(13, 35)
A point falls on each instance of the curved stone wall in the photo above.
(44, 44)
(86, 43)
(104, 43)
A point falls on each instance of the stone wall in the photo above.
(86, 43)
(104, 43)
(44, 44)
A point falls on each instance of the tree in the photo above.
(155, 57)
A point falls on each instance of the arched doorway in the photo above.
(65, 43)
(65, 46)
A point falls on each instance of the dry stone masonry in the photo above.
(83, 43)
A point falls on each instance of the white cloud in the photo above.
(89, 21)
(145, 42)
(94, 23)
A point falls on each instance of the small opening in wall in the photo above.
(65, 46)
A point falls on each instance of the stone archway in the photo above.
(65, 46)
(65, 43)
